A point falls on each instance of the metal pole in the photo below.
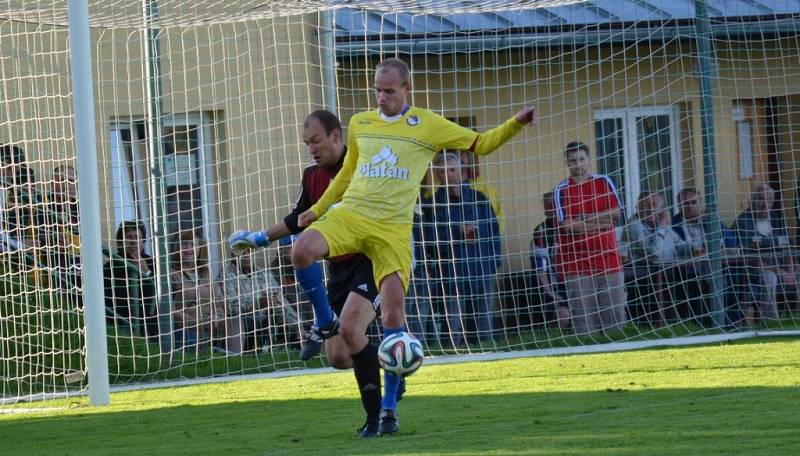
(328, 43)
(156, 165)
(707, 75)
(89, 194)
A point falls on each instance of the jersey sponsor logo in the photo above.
(384, 165)
(412, 121)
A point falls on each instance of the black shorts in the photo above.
(352, 275)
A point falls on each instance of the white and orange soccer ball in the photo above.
(400, 354)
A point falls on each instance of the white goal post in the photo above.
(135, 135)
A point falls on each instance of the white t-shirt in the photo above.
(764, 228)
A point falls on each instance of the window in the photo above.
(744, 131)
(189, 196)
(638, 149)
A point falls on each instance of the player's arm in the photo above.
(242, 240)
(490, 140)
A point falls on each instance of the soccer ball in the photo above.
(400, 354)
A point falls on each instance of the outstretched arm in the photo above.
(488, 141)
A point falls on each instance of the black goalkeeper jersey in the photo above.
(315, 182)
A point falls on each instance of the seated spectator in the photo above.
(762, 234)
(543, 253)
(20, 204)
(62, 202)
(21, 221)
(688, 222)
(61, 223)
(254, 296)
(199, 305)
(466, 250)
(129, 285)
(691, 280)
(653, 246)
(649, 234)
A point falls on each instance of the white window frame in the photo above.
(631, 148)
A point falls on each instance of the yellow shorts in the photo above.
(387, 245)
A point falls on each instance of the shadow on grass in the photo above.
(749, 420)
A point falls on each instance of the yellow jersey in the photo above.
(386, 160)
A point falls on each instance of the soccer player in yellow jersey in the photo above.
(376, 190)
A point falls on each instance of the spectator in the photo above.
(19, 209)
(60, 224)
(472, 175)
(651, 240)
(588, 207)
(199, 307)
(254, 297)
(467, 248)
(693, 277)
(62, 202)
(762, 234)
(129, 286)
(654, 246)
(688, 222)
(543, 254)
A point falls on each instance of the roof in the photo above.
(358, 22)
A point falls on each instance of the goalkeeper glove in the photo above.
(242, 240)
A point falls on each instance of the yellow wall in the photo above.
(257, 81)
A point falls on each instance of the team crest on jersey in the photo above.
(384, 164)
(412, 121)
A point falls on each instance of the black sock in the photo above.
(367, 371)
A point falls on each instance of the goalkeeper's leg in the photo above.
(351, 348)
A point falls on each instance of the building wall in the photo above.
(569, 85)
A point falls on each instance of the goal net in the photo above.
(656, 198)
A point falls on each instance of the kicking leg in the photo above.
(393, 296)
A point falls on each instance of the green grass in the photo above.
(733, 398)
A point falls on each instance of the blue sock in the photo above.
(310, 280)
(391, 382)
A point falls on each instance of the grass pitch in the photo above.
(732, 398)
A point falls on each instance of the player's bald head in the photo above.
(400, 66)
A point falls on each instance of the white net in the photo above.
(199, 114)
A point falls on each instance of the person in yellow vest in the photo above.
(472, 173)
(469, 164)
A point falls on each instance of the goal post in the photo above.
(90, 233)
(190, 127)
